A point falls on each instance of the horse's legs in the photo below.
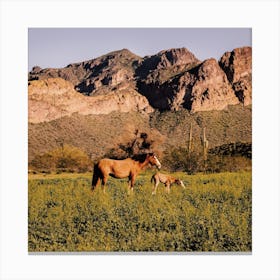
(129, 184)
(167, 187)
(95, 177)
(104, 181)
(132, 181)
(95, 184)
(156, 182)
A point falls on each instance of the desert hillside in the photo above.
(98, 104)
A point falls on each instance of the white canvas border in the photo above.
(18, 16)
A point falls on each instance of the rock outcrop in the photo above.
(238, 68)
(54, 98)
(162, 66)
(97, 76)
(202, 88)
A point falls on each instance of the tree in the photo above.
(140, 143)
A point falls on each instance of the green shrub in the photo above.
(43, 162)
(63, 159)
(178, 159)
(228, 163)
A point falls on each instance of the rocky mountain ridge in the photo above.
(121, 81)
(53, 98)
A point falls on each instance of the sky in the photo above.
(58, 47)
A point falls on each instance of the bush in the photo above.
(228, 163)
(65, 158)
(233, 149)
(178, 159)
(140, 143)
(43, 162)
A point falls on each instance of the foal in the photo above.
(167, 180)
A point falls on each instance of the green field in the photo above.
(213, 213)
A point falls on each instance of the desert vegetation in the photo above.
(213, 213)
(97, 134)
(228, 157)
(231, 157)
(65, 158)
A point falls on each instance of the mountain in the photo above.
(169, 80)
(100, 103)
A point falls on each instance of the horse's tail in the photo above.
(95, 176)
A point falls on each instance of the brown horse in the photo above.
(129, 167)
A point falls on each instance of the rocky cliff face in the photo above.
(122, 81)
(204, 88)
(53, 98)
(158, 68)
(238, 68)
(97, 76)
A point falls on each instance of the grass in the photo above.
(212, 214)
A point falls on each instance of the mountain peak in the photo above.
(170, 79)
(123, 53)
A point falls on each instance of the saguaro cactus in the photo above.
(205, 145)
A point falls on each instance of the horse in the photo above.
(129, 167)
(167, 180)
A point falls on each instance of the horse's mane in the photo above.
(140, 157)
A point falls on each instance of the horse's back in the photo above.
(104, 161)
(116, 168)
(105, 164)
(108, 162)
(165, 177)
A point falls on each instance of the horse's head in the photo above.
(180, 183)
(153, 160)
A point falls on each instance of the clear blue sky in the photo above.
(58, 47)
